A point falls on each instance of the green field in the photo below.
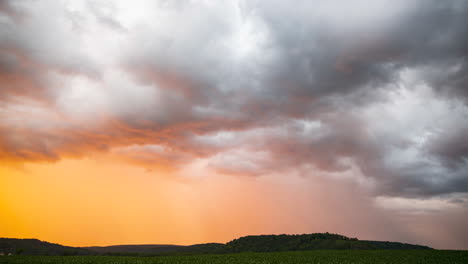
(316, 256)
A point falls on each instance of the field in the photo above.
(317, 256)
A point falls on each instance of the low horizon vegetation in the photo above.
(311, 256)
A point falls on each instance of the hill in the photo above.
(261, 243)
(36, 247)
(270, 243)
(159, 249)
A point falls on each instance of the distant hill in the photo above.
(269, 243)
(36, 247)
(135, 249)
(159, 249)
(261, 243)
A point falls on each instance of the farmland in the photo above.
(313, 256)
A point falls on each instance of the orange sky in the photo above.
(202, 121)
(100, 202)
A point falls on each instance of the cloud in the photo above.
(255, 88)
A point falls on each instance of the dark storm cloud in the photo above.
(451, 145)
(318, 64)
(319, 60)
(8, 8)
(196, 72)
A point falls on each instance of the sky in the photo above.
(183, 122)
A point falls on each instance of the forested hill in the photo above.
(261, 243)
(268, 243)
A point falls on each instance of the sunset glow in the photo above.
(185, 122)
